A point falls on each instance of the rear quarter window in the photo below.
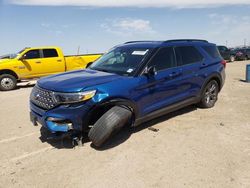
(188, 55)
(212, 51)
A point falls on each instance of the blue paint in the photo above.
(53, 127)
(248, 73)
(145, 93)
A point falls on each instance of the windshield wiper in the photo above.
(102, 70)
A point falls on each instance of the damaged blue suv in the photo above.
(132, 83)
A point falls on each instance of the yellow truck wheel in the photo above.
(7, 82)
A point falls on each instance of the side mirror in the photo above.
(150, 71)
(22, 57)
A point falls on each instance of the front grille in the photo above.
(43, 98)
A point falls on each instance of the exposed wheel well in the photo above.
(6, 71)
(97, 112)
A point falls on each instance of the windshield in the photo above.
(122, 61)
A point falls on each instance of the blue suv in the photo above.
(132, 83)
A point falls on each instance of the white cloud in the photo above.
(127, 26)
(133, 3)
(46, 25)
(232, 28)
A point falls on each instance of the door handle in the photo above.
(59, 60)
(174, 74)
(38, 62)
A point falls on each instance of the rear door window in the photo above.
(47, 53)
(163, 59)
(187, 55)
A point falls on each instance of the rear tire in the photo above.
(209, 95)
(109, 123)
(231, 58)
(7, 82)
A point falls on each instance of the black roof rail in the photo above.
(139, 41)
(187, 40)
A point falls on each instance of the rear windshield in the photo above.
(212, 51)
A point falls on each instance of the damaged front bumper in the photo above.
(62, 120)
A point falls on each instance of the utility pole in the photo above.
(78, 50)
(226, 43)
(245, 42)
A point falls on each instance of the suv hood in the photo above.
(75, 81)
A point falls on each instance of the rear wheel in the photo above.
(7, 82)
(232, 58)
(209, 95)
(109, 123)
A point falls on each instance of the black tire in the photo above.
(209, 95)
(109, 123)
(231, 58)
(7, 82)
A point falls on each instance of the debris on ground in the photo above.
(222, 124)
(153, 129)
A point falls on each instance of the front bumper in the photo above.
(60, 119)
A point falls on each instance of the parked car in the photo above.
(5, 56)
(226, 53)
(242, 54)
(131, 84)
(38, 62)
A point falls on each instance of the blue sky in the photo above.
(97, 28)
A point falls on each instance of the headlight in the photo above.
(74, 97)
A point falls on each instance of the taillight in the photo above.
(224, 63)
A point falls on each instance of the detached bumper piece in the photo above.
(57, 129)
(75, 137)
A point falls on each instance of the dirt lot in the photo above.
(193, 147)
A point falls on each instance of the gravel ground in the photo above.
(193, 147)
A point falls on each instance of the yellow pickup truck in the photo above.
(37, 62)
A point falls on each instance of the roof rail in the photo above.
(187, 40)
(139, 41)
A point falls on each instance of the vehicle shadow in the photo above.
(57, 142)
(241, 80)
(124, 134)
(119, 138)
(25, 86)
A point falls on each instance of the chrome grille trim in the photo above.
(43, 98)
